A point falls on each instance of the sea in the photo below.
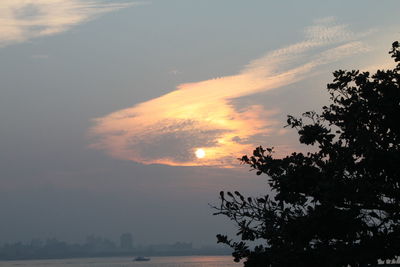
(182, 261)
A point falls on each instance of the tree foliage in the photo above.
(340, 205)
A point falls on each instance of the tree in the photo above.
(340, 205)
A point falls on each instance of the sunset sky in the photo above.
(129, 116)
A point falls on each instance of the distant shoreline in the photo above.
(115, 255)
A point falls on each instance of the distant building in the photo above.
(99, 244)
(36, 243)
(126, 241)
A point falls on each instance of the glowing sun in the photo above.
(200, 153)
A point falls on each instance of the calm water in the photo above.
(187, 261)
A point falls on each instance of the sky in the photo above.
(129, 116)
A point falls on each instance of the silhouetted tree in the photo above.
(340, 205)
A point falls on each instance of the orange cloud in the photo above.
(170, 128)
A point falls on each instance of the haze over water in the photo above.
(184, 261)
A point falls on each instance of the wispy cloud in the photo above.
(170, 128)
(21, 20)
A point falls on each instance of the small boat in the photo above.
(140, 258)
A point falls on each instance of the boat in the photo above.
(141, 258)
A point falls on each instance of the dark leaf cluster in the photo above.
(340, 205)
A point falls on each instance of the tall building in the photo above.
(126, 241)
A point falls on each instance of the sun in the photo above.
(200, 153)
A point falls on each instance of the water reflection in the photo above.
(184, 261)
